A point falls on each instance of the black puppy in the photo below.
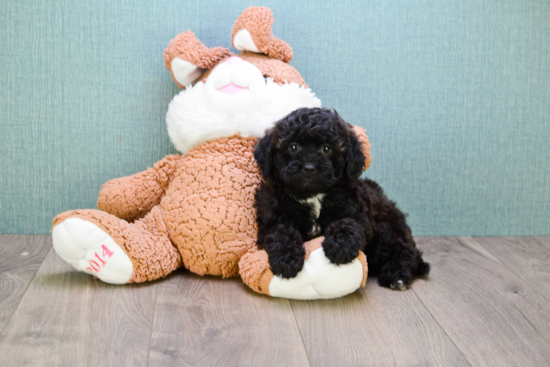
(311, 161)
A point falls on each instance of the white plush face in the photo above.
(236, 99)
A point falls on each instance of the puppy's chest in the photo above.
(315, 205)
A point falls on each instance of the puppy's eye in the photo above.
(326, 149)
(294, 148)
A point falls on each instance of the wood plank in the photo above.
(492, 315)
(526, 257)
(20, 258)
(545, 240)
(207, 321)
(66, 318)
(374, 327)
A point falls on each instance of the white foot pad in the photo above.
(319, 279)
(89, 249)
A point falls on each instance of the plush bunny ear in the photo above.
(187, 58)
(252, 32)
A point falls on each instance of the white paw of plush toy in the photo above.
(319, 278)
(87, 248)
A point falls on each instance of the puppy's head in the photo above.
(309, 151)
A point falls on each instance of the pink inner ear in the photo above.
(231, 89)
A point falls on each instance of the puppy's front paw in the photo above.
(286, 251)
(343, 240)
(338, 252)
(286, 266)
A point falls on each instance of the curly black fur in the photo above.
(312, 154)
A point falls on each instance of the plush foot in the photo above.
(91, 250)
(319, 279)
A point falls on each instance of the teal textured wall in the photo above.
(455, 96)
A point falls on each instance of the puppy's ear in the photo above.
(355, 159)
(263, 153)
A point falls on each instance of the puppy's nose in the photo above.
(309, 168)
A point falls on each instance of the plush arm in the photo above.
(132, 197)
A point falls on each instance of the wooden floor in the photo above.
(486, 303)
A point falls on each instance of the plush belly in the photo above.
(209, 206)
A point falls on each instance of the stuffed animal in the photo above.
(197, 209)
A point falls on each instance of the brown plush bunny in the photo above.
(196, 209)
